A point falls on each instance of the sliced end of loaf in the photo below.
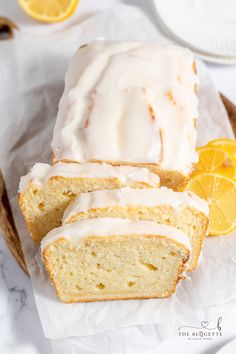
(115, 268)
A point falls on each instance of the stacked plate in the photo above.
(207, 27)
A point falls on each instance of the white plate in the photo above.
(215, 59)
(207, 26)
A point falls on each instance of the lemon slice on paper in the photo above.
(220, 192)
(228, 145)
(213, 159)
(49, 10)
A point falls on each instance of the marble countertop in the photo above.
(20, 328)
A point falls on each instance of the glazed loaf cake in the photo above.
(183, 210)
(46, 191)
(130, 103)
(127, 117)
(114, 259)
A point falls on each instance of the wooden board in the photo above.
(8, 228)
(231, 110)
(6, 220)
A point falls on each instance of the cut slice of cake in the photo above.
(46, 190)
(114, 259)
(183, 210)
(130, 103)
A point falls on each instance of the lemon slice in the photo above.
(213, 159)
(228, 145)
(220, 192)
(49, 10)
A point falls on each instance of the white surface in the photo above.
(223, 76)
(20, 328)
(18, 334)
(35, 91)
(229, 348)
(208, 26)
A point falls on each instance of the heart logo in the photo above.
(204, 324)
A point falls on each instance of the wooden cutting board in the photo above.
(6, 220)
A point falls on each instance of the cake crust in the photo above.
(43, 205)
(170, 179)
(155, 214)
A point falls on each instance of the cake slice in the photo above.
(183, 210)
(130, 103)
(114, 259)
(46, 190)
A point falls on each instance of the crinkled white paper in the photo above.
(32, 70)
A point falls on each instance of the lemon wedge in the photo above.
(214, 159)
(49, 10)
(228, 145)
(220, 193)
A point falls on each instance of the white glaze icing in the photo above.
(41, 172)
(111, 227)
(128, 196)
(104, 111)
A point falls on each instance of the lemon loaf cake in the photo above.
(113, 259)
(46, 190)
(130, 103)
(183, 210)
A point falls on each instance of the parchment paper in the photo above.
(32, 71)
